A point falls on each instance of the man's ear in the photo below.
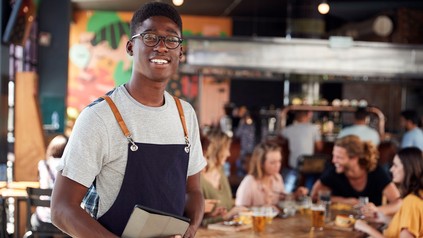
(129, 48)
(181, 53)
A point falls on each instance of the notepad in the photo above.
(146, 222)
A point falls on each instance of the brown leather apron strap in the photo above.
(120, 121)
(126, 132)
(117, 115)
(182, 116)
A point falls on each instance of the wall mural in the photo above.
(97, 56)
(98, 61)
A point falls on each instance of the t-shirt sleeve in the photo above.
(328, 176)
(244, 192)
(317, 135)
(83, 156)
(196, 159)
(410, 217)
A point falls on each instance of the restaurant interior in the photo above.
(274, 57)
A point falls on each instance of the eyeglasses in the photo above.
(151, 40)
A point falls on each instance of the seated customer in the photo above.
(407, 171)
(214, 183)
(264, 185)
(41, 219)
(355, 173)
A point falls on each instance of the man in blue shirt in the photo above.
(414, 135)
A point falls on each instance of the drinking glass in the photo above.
(324, 199)
(362, 201)
(270, 213)
(259, 219)
(304, 204)
(317, 216)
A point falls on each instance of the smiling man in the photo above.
(135, 145)
(356, 174)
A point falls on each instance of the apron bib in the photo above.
(155, 177)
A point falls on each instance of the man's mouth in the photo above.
(159, 61)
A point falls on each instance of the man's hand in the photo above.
(190, 232)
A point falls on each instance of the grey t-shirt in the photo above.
(301, 139)
(97, 148)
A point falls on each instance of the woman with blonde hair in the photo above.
(356, 174)
(219, 204)
(407, 171)
(264, 185)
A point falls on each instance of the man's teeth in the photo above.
(159, 61)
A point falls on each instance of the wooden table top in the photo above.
(16, 189)
(295, 226)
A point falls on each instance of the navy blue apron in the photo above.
(155, 177)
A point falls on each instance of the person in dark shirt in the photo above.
(355, 173)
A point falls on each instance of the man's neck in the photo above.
(149, 94)
(355, 173)
(410, 127)
(360, 122)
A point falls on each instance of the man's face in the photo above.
(156, 63)
(402, 122)
(340, 159)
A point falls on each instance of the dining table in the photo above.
(296, 226)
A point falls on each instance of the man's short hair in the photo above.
(361, 114)
(410, 115)
(155, 9)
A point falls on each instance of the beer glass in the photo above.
(317, 216)
(259, 219)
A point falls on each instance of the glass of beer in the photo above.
(317, 216)
(304, 204)
(270, 212)
(259, 220)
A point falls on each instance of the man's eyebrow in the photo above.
(168, 30)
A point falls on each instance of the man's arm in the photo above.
(317, 186)
(194, 207)
(66, 211)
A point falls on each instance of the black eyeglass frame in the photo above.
(160, 38)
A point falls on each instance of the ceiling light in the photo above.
(323, 7)
(178, 2)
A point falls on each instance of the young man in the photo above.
(361, 128)
(356, 174)
(304, 138)
(413, 135)
(144, 151)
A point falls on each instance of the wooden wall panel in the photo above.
(29, 138)
(387, 97)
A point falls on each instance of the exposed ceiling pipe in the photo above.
(231, 7)
(380, 25)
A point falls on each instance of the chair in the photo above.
(310, 167)
(38, 197)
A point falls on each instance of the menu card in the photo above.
(147, 222)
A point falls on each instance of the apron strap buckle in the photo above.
(187, 148)
(133, 147)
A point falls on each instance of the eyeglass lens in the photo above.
(151, 40)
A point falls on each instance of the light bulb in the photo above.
(178, 2)
(323, 8)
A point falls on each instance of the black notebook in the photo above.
(147, 222)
